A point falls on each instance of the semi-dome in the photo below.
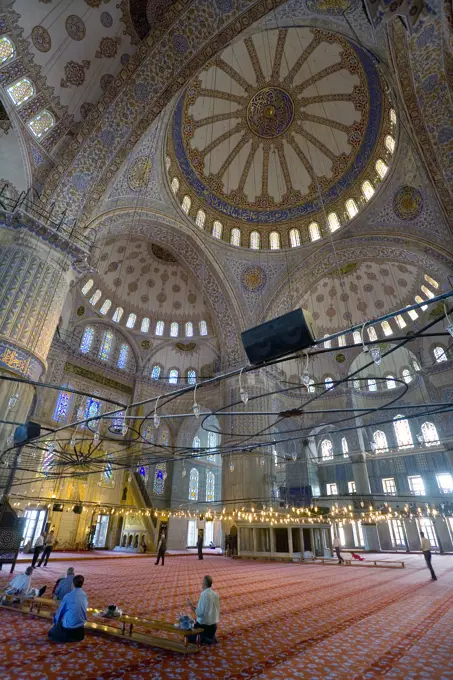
(275, 121)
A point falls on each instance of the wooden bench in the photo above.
(348, 562)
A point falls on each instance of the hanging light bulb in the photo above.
(376, 355)
(156, 418)
(243, 390)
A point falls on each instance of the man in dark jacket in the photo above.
(161, 548)
(200, 546)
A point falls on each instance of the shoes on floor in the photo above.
(41, 591)
(434, 578)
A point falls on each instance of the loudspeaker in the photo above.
(27, 431)
(57, 507)
(77, 509)
(285, 334)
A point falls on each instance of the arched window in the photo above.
(314, 231)
(87, 287)
(371, 334)
(372, 385)
(212, 441)
(131, 319)
(95, 297)
(189, 329)
(7, 49)
(367, 189)
(62, 406)
(357, 337)
(164, 436)
(173, 376)
(419, 301)
(341, 341)
(255, 240)
(351, 208)
(118, 314)
(145, 325)
(87, 340)
(210, 487)
(92, 409)
(328, 382)
(217, 229)
(386, 328)
(393, 116)
(344, 447)
(412, 313)
(327, 343)
(174, 329)
(41, 123)
(429, 293)
(21, 91)
(406, 375)
(186, 203)
(400, 321)
(167, 162)
(439, 354)
(432, 282)
(105, 306)
(155, 371)
(429, 432)
(235, 237)
(200, 218)
(402, 432)
(389, 143)
(381, 168)
(326, 449)
(274, 240)
(106, 346)
(415, 365)
(334, 222)
(175, 185)
(390, 382)
(196, 444)
(160, 475)
(191, 376)
(160, 328)
(123, 355)
(294, 238)
(203, 328)
(118, 423)
(193, 485)
(311, 385)
(380, 440)
(108, 472)
(48, 456)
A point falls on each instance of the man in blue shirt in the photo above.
(64, 585)
(71, 615)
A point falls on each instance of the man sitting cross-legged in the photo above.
(207, 612)
(21, 586)
(71, 615)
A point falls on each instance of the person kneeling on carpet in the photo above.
(71, 615)
(207, 612)
(21, 586)
(64, 585)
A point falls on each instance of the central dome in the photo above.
(270, 112)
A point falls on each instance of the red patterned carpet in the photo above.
(279, 621)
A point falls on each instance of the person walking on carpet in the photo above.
(200, 546)
(337, 548)
(48, 547)
(426, 547)
(161, 548)
(39, 544)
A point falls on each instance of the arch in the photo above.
(175, 185)
(87, 340)
(372, 334)
(118, 314)
(156, 371)
(274, 240)
(193, 484)
(372, 385)
(191, 376)
(390, 382)
(334, 222)
(210, 486)
(200, 218)
(106, 346)
(255, 240)
(123, 355)
(105, 307)
(314, 231)
(367, 189)
(174, 329)
(351, 208)
(406, 375)
(173, 376)
(21, 91)
(400, 321)
(294, 238)
(326, 449)
(429, 432)
(341, 341)
(203, 327)
(131, 319)
(87, 286)
(185, 205)
(217, 229)
(357, 337)
(403, 432)
(188, 329)
(95, 297)
(235, 237)
(7, 49)
(41, 123)
(389, 142)
(328, 382)
(381, 168)
(160, 328)
(380, 440)
(439, 354)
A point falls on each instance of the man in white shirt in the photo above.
(207, 612)
(49, 544)
(21, 586)
(337, 547)
(39, 544)
(426, 547)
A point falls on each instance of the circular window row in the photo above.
(294, 238)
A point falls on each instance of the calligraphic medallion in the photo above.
(270, 112)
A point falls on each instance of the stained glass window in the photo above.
(386, 328)
(164, 436)
(393, 116)
(439, 354)
(311, 385)
(196, 444)
(419, 300)
(372, 334)
(406, 375)
(210, 486)
(173, 376)
(105, 306)
(189, 329)
(356, 337)
(327, 343)
(95, 297)
(391, 384)
(108, 472)
(372, 385)
(341, 341)
(174, 329)
(155, 372)
(415, 365)
(367, 189)
(200, 219)
(106, 346)
(62, 406)
(118, 422)
(87, 287)
(381, 168)
(389, 143)
(344, 447)
(380, 440)
(351, 208)
(87, 340)
(212, 445)
(123, 355)
(294, 238)
(118, 314)
(186, 203)
(255, 240)
(326, 449)
(328, 382)
(132, 318)
(235, 237)
(400, 321)
(432, 282)
(92, 409)
(429, 432)
(193, 485)
(148, 433)
(175, 185)
(274, 240)
(191, 377)
(203, 328)
(313, 230)
(160, 475)
(160, 328)
(145, 325)
(48, 456)
(402, 432)
(21, 91)
(41, 123)
(217, 229)
(7, 49)
(334, 222)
